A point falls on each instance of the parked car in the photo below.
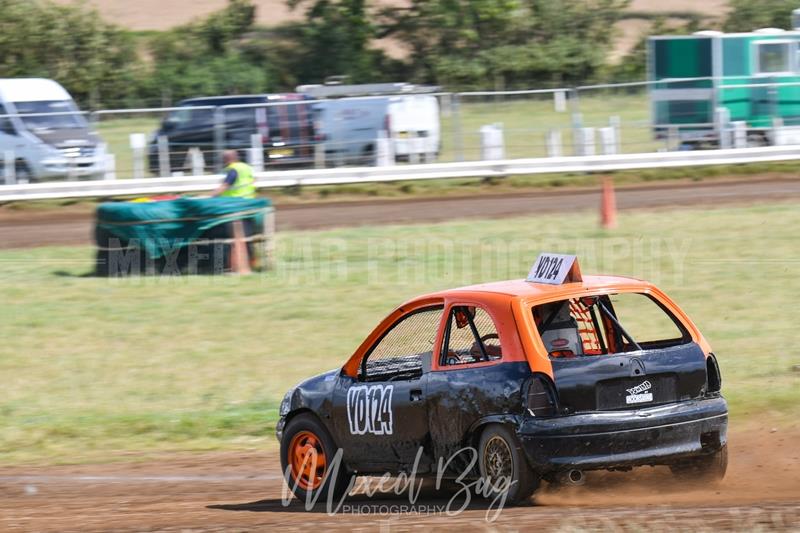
(284, 121)
(45, 132)
(542, 378)
(350, 118)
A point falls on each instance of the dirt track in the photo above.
(27, 228)
(226, 491)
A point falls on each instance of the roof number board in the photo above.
(555, 269)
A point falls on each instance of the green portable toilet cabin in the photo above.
(754, 77)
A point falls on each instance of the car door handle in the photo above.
(415, 395)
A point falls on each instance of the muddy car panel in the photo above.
(587, 424)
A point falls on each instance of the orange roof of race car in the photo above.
(526, 289)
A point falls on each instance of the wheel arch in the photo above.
(473, 435)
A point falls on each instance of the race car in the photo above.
(541, 378)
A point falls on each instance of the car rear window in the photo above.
(607, 324)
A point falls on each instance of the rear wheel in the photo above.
(307, 459)
(707, 468)
(503, 467)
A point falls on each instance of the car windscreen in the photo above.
(607, 324)
(50, 114)
(190, 117)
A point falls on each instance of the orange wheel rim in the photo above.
(307, 460)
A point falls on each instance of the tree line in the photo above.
(457, 44)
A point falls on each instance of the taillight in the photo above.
(713, 376)
(541, 398)
(387, 124)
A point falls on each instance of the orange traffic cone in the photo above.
(608, 205)
(240, 263)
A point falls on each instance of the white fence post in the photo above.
(9, 167)
(723, 118)
(777, 127)
(577, 135)
(384, 157)
(196, 161)
(615, 122)
(319, 155)
(492, 146)
(554, 143)
(608, 141)
(673, 138)
(110, 172)
(256, 152)
(560, 101)
(585, 145)
(413, 153)
(138, 143)
(740, 134)
(164, 167)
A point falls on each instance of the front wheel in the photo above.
(309, 460)
(503, 467)
(707, 468)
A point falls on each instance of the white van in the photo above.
(349, 125)
(414, 127)
(45, 133)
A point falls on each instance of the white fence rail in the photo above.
(471, 169)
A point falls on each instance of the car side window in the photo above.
(398, 354)
(471, 337)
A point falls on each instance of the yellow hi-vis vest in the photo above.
(244, 186)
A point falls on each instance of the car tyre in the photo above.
(307, 460)
(500, 457)
(704, 469)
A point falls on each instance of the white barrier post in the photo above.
(110, 172)
(560, 101)
(138, 143)
(577, 135)
(723, 118)
(586, 141)
(492, 147)
(413, 149)
(196, 161)
(615, 122)
(554, 143)
(72, 173)
(9, 167)
(164, 168)
(256, 154)
(673, 138)
(319, 155)
(777, 128)
(383, 150)
(608, 141)
(740, 134)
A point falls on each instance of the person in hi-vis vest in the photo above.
(239, 181)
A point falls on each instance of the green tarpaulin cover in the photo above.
(160, 226)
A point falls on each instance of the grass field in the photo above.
(92, 367)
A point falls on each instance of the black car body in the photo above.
(285, 123)
(547, 378)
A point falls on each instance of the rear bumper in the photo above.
(617, 439)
